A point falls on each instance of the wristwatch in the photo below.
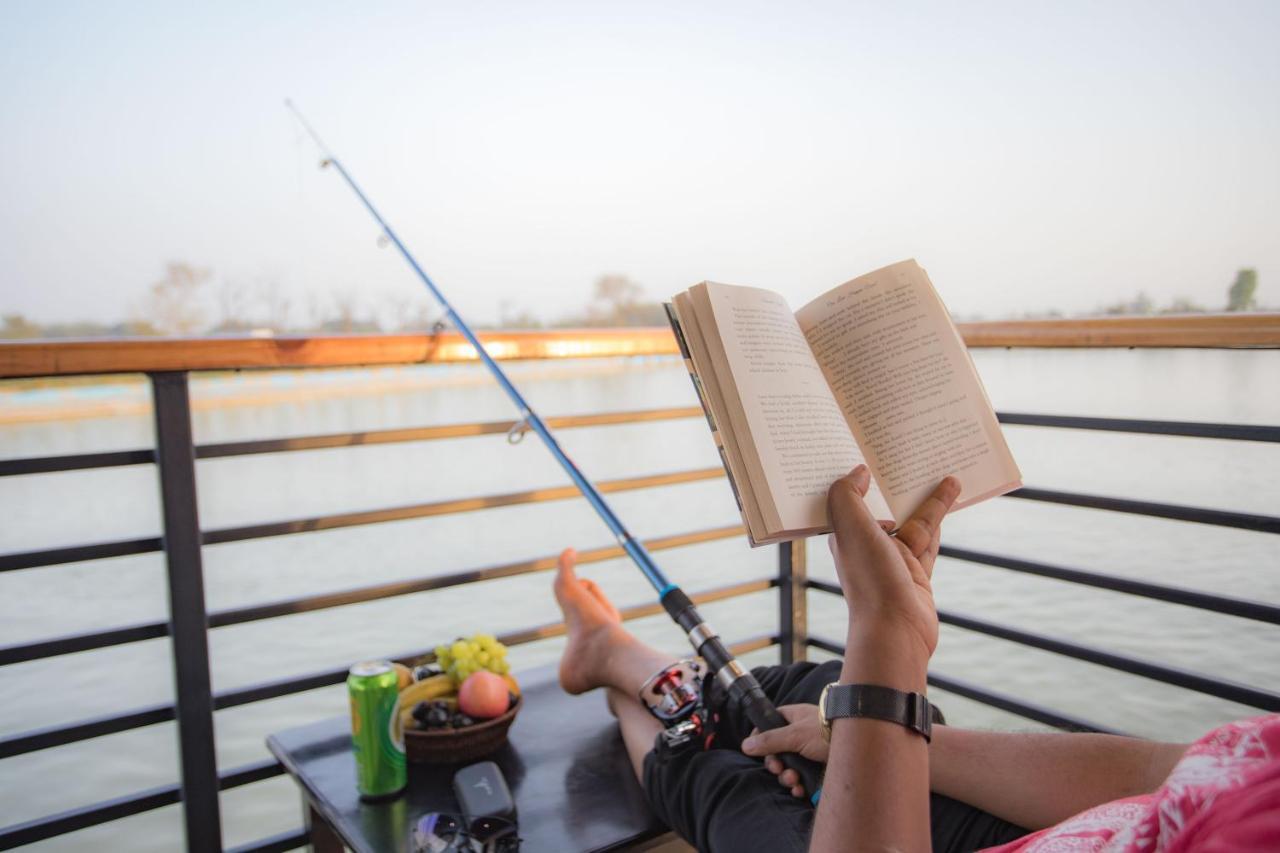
(880, 703)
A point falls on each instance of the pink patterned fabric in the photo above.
(1223, 795)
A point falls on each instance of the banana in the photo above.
(435, 687)
(512, 683)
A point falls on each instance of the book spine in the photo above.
(702, 400)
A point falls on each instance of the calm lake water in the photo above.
(81, 507)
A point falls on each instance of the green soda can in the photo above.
(376, 735)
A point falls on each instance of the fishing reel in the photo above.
(673, 695)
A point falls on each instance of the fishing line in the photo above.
(736, 680)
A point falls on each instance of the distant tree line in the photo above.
(1242, 295)
(179, 303)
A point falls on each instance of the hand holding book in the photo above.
(871, 372)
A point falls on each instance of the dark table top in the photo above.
(565, 762)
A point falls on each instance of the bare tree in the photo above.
(275, 304)
(174, 301)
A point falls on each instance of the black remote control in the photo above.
(482, 792)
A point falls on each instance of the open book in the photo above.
(873, 371)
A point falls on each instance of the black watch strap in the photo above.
(880, 703)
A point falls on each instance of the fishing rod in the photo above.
(736, 680)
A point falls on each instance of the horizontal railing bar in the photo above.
(449, 507)
(23, 652)
(78, 553)
(1189, 429)
(992, 698)
(84, 817)
(81, 461)
(59, 735)
(753, 644)
(1229, 690)
(140, 355)
(277, 843)
(32, 741)
(1176, 595)
(1176, 512)
(1013, 705)
(74, 462)
(433, 433)
(143, 355)
(34, 559)
(409, 587)
(276, 689)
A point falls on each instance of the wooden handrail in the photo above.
(138, 355)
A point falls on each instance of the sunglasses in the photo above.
(441, 832)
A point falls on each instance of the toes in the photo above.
(598, 594)
(565, 575)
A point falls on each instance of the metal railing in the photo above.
(183, 538)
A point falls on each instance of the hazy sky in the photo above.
(1030, 155)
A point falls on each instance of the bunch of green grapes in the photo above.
(465, 656)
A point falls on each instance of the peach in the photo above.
(483, 695)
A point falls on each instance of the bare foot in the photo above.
(595, 626)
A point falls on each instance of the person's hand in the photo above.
(802, 735)
(886, 578)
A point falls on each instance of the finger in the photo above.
(790, 778)
(797, 791)
(773, 764)
(935, 544)
(783, 739)
(918, 531)
(850, 517)
(887, 526)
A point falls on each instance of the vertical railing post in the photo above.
(793, 612)
(188, 621)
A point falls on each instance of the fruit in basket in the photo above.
(425, 671)
(484, 695)
(437, 717)
(430, 688)
(480, 653)
(404, 675)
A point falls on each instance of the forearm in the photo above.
(1036, 780)
(876, 792)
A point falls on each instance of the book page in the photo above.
(801, 441)
(904, 380)
(707, 386)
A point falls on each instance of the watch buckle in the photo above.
(921, 718)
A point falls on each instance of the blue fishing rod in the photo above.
(669, 687)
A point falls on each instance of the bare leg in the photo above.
(602, 653)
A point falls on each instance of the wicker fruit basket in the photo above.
(450, 746)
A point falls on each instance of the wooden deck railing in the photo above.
(188, 622)
(138, 355)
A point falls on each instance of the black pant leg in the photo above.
(721, 799)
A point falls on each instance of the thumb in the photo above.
(772, 742)
(850, 517)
